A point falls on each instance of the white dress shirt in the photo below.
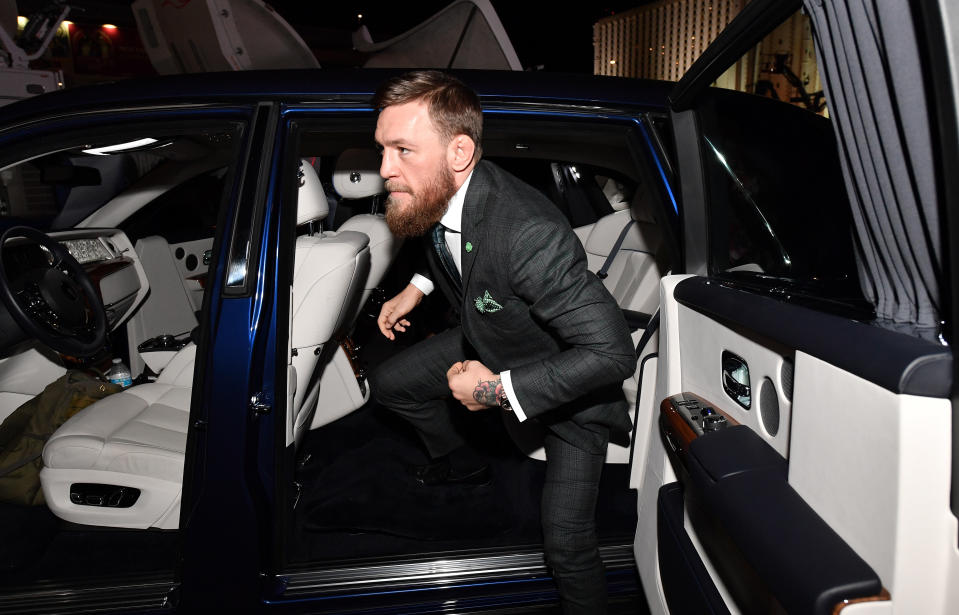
(453, 221)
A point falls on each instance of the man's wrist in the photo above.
(502, 399)
(488, 392)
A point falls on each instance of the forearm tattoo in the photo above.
(486, 392)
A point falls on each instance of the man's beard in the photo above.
(424, 209)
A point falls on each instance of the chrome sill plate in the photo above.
(125, 595)
(434, 572)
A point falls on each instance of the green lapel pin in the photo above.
(469, 247)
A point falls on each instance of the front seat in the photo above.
(128, 446)
(119, 462)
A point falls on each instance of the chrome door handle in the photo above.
(736, 379)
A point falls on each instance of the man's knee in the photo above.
(384, 386)
(570, 548)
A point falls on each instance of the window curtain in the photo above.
(870, 65)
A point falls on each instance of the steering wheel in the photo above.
(53, 301)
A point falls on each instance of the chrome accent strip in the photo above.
(435, 572)
(83, 596)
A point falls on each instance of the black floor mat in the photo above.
(368, 489)
(359, 499)
(25, 534)
(36, 545)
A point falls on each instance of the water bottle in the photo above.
(119, 373)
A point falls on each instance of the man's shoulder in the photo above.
(513, 198)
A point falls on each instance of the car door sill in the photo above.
(126, 594)
(434, 571)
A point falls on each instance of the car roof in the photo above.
(356, 84)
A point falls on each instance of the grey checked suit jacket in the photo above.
(559, 331)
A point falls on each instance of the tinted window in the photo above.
(181, 170)
(58, 190)
(778, 205)
(184, 213)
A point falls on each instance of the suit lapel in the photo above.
(473, 239)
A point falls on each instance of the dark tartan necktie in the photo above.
(443, 251)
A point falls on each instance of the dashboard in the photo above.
(109, 259)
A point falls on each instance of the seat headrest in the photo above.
(311, 205)
(357, 174)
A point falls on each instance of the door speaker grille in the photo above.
(769, 406)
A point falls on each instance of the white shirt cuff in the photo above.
(511, 395)
(423, 283)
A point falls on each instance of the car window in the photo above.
(178, 170)
(183, 213)
(57, 190)
(779, 216)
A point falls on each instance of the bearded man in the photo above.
(539, 334)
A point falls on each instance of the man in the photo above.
(539, 335)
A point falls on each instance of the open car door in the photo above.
(800, 457)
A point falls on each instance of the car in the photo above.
(222, 235)
(231, 227)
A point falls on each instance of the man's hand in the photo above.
(393, 311)
(474, 385)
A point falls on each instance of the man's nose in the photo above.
(386, 166)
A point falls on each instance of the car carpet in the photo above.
(359, 480)
(356, 485)
(25, 533)
(369, 489)
(34, 544)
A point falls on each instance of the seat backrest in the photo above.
(328, 271)
(357, 176)
(167, 309)
(633, 276)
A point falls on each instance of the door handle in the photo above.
(736, 379)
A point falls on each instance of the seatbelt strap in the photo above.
(648, 332)
(602, 273)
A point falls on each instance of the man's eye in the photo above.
(403, 150)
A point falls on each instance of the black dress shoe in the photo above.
(440, 472)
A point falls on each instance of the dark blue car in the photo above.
(785, 267)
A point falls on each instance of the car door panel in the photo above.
(853, 449)
(884, 490)
(704, 343)
(790, 552)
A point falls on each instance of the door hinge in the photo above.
(260, 404)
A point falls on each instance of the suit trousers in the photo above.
(413, 384)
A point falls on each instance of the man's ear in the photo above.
(460, 153)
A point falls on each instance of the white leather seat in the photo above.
(137, 438)
(167, 309)
(633, 276)
(357, 176)
(329, 272)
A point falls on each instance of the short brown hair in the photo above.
(454, 108)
